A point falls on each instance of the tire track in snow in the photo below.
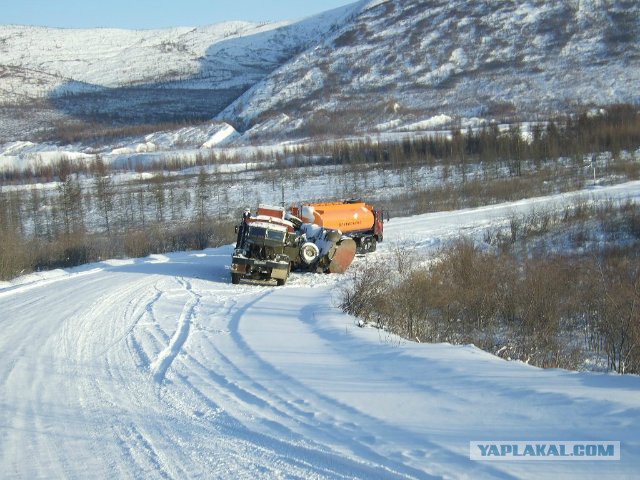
(265, 415)
(133, 312)
(166, 357)
(178, 402)
(130, 428)
(337, 427)
(123, 388)
(335, 433)
(138, 447)
(52, 395)
(237, 401)
(106, 392)
(172, 407)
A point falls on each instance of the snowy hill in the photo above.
(151, 75)
(402, 61)
(160, 368)
(372, 66)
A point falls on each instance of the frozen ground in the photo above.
(160, 368)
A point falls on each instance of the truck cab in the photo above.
(263, 248)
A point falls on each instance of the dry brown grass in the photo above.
(548, 310)
(19, 255)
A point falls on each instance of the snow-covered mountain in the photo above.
(399, 61)
(145, 75)
(374, 65)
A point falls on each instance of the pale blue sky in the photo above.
(155, 13)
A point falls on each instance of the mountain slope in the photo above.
(403, 60)
(374, 65)
(147, 75)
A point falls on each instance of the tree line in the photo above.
(611, 129)
(91, 219)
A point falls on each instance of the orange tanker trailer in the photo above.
(354, 219)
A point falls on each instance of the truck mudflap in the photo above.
(345, 252)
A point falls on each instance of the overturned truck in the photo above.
(322, 237)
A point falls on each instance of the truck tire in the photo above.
(373, 244)
(368, 244)
(309, 253)
(281, 281)
(235, 278)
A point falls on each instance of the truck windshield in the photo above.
(269, 234)
(275, 235)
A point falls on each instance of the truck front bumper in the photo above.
(244, 265)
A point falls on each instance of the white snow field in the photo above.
(160, 368)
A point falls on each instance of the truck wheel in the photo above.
(373, 244)
(368, 244)
(281, 281)
(235, 278)
(309, 253)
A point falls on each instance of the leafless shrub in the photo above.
(632, 219)
(69, 131)
(548, 310)
(13, 255)
(366, 297)
(501, 109)
(618, 308)
(137, 244)
(478, 192)
(20, 255)
(626, 169)
(348, 38)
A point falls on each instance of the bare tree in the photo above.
(36, 215)
(105, 192)
(158, 186)
(70, 204)
(202, 195)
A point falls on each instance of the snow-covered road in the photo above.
(160, 368)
